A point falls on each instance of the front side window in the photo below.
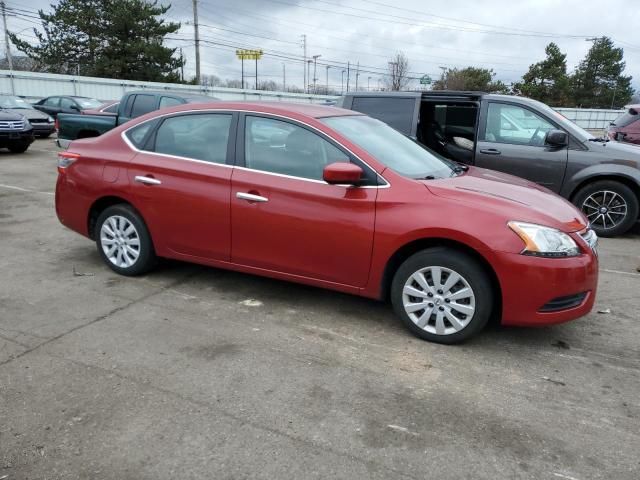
(67, 104)
(202, 136)
(390, 147)
(169, 102)
(143, 104)
(515, 125)
(281, 147)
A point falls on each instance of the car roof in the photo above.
(275, 107)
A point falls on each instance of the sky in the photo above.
(504, 35)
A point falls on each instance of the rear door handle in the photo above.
(491, 151)
(147, 180)
(250, 197)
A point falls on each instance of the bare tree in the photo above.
(397, 78)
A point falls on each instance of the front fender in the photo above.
(625, 170)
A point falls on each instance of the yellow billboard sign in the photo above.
(243, 54)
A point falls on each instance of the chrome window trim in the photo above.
(322, 134)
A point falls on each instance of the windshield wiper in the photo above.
(428, 177)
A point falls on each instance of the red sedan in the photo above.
(331, 198)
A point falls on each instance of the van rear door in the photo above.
(399, 111)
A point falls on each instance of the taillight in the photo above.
(57, 124)
(65, 159)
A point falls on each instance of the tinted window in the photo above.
(515, 125)
(199, 136)
(129, 104)
(67, 103)
(138, 134)
(395, 112)
(282, 147)
(626, 119)
(169, 102)
(143, 104)
(52, 102)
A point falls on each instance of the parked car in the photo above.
(521, 137)
(331, 198)
(65, 104)
(131, 105)
(107, 108)
(626, 128)
(43, 124)
(16, 133)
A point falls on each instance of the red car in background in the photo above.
(626, 128)
(335, 199)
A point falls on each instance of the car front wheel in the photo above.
(123, 241)
(610, 206)
(442, 295)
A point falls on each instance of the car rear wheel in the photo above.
(442, 295)
(610, 206)
(123, 241)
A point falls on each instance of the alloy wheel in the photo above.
(439, 300)
(120, 241)
(605, 209)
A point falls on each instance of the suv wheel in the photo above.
(610, 206)
(18, 147)
(442, 295)
(123, 241)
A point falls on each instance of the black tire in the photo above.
(625, 193)
(19, 147)
(472, 273)
(146, 258)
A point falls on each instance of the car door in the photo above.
(68, 105)
(512, 140)
(181, 181)
(51, 106)
(285, 218)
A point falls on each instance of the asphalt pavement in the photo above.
(192, 372)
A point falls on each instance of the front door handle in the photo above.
(250, 197)
(147, 180)
(491, 151)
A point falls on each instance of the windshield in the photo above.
(7, 101)
(626, 118)
(87, 103)
(580, 133)
(390, 147)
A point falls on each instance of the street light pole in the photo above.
(196, 35)
(326, 91)
(284, 78)
(342, 82)
(368, 84)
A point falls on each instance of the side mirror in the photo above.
(342, 173)
(74, 107)
(557, 138)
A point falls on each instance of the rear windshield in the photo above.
(626, 118)
(87, 103)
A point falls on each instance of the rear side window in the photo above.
(137, 135)
(143, 104)
(202, 136)
(626, 119)
(395, 112)
(112, 108)
(169, 102)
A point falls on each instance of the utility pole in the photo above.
(368, 84)
(304, 65)
(256, 73)
(326, 91)
(315, 78)
(6, 36)
(342, 82)
(284, 78)
(196, 37)
(181, 66)
(357, 75)
(306, 88)
(242, 74)
(348, 73)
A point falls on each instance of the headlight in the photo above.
(50, 120)
(542, 241)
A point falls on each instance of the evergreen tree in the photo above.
(598, 81)
(105, 38)
(547, 80)
(470, 78)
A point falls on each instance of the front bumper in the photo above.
(10, 136)
(530, 285)
(43, 128)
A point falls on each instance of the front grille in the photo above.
(12, 125)
(39, 120)
(564, 303)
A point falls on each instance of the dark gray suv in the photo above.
(522, 137)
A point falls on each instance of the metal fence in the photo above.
(37, 85)
(34, 85)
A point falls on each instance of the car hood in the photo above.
(28, 113)
(613, 150)
(8, 115)
(512, 197)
